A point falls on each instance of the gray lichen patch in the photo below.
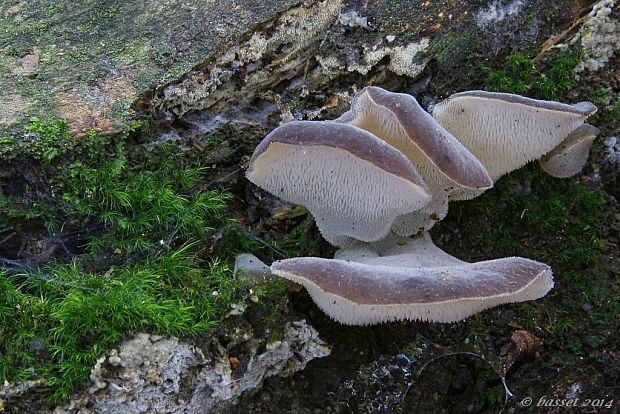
(403, 60)
(27, 65)
(164, 375)
(497, 12)
(11, 106)
(600, 35)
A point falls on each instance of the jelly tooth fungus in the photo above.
(385, 170)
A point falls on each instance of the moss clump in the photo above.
(530, 204)
(134, 261)
(143, 209)
(520, 75)
(303, 239)
(55, 321)
(44, 140)
(97, 188)
(608, 103)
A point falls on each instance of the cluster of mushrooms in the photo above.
(385, 170)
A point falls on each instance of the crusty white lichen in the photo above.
(600, 36)
(153, 374)
(268, 55)
(405, 60)
(352, 18)
(611, 154)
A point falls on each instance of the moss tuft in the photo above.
(521, 75)
(55, 321)
(44, 140)
(139, 264)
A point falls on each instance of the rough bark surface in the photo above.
(89, 61)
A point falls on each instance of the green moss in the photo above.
(271, 297)
(95, 186)
(513, 77)
(234, 239)
(221, 134)
(140, 268)
(548, 80)
(44, 140)
(57, 320)
(121, 110)
(568, 211)
(452, 47)
(140, 209)
(303, 239)
(615, 109)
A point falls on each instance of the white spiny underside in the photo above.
(384, 124)
(394, 261)
(421, 259)
(568, 158)
(349, 197)
(504, 136)
(350, 313)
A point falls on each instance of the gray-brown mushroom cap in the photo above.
(444, 163)
(506, 131)
(568, 158)
(353, 183)
(399, 119)
(371, 289)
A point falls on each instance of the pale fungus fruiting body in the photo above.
(569, 157)
(506, 131)
(415, 282)
(399, 120)
(387, 169)
(444, 163)
(399, 251)
(252, 267)
(353, 183)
